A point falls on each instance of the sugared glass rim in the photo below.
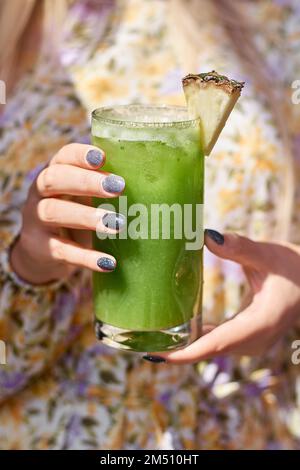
(104, 115)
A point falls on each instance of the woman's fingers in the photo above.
(69, 214)
(82, 155)
(66, 251)
(69, 173)
(240, 249)
(230, 337)
(67, 179)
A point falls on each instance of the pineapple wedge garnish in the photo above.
(210, 98)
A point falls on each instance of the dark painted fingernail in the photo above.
(155, 359)
(113, 184)
(217, 237)
(98, 331)
(107, 264)
(114, 220)
(94, 157)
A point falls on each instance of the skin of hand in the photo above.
(57, 217)
(273, 274)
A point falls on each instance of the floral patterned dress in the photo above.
(61, 388)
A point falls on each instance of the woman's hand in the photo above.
(54, 239)
(273, 273)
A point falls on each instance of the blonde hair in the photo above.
(13, 22)
(18, 22)
(186, 16)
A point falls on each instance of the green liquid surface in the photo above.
(157, 282)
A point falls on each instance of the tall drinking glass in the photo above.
(152, 301)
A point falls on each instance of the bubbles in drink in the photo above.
(144, 124)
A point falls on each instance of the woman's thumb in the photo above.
(236, 248)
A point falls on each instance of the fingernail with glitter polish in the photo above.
(113, 184)
(154, 359)
(95, 157)
(215, 236)
(114, 221)
(107, 264)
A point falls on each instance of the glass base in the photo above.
(148, 341)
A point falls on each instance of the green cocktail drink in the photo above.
(152, 301)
